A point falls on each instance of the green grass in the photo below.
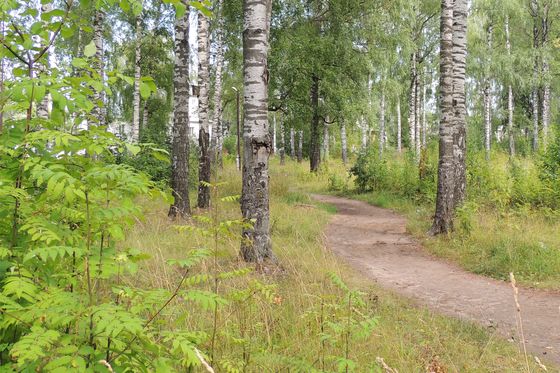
(278, 334)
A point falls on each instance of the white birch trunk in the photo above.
(423, 110)
(325, 141)
(282, 141)
(364, 127)
(256, 245)
(399, 125)
(204, 163)
(274, 133)
(343, 142)
(180, 137)
(217, 126)
(98, 111)
(488, 101)
(135, 135)
(300, 146)
(382, 126)
(510, 95)
(412, 104)
(292, 143)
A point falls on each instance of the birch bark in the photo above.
(180, 138)
(256, 245)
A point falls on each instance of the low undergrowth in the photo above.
(312, 315)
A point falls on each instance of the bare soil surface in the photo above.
(375, 242)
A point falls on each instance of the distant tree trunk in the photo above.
(145, 116)
(545, 106)
(382, 126)
(217, 126)
(42, 67)
(412, 104)
(282, 142)
(98, 97)
(274, 133)
(135, 135)
(535, 94)
(300, 147)
(343, 141)
(326, 141)
(180, 141)
(488, 99)
(417, 124)
(545, 72)
(443, 218)
(315, 146)
(510, 96)
(364, 128)
(399, 125)
(204, 161)
(256, 245)
(459, 100)
(292, 143)
(423, 111)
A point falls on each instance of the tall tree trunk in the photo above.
(204, 161)
(343, 141)
(180, 141)
(382, 126)
(417, 124)
(315, 143)
(423, 111)
(282, 141)
(145, 116)
(412, 104)
(42, 67)
(545, 77)
(300, 147)
(98, 97)
(399, 125)
(256, 245)
(217, 127)
(135, 135)
(364, 127)
(535, 93)
(545, 106)
(459, 100)
(443, 217)
(510, 95)
(292, 143)
(274, 133)
(488, 99)
(326, 141)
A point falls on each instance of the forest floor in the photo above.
(374, 241)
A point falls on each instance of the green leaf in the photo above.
(145, 90)
(90, 49)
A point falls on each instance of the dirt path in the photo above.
(374, 241)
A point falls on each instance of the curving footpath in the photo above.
(374, 241)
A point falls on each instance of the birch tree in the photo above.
(256, 245)
(135, 135)
(217, 126)
(443, 217)
(180, 136)
(204, 161)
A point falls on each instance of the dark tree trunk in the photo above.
(204, 161)
(180, 143)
